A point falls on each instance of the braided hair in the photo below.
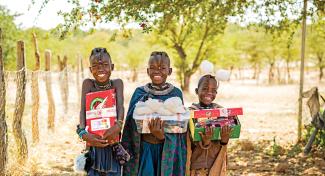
(160, 55)
(98, 53)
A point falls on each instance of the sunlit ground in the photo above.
(270, 113)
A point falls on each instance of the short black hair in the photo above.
(207, 77)
(161, 55)
(99, 52)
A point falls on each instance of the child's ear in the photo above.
(148, 71)
(90, 70)
(196, 90)
(112, 67)
(170, 71)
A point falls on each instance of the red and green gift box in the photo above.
(219, 117)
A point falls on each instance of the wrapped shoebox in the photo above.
(215, 118)
(100, 111)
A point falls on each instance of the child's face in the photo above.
(101, 68)
(158, 70)
(207, 91)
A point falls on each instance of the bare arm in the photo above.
(118, 85)
(86, 85)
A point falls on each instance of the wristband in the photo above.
(223, 143)
(82, 132)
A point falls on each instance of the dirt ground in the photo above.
(266, 145)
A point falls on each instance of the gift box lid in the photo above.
(215, 113)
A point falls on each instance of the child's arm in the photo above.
(86, 85)
(114, 131)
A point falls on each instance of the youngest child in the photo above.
(207, 157)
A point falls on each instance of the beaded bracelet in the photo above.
(82, 132)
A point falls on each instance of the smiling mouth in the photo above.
(208, 98)
(101, 75)
(157, 77)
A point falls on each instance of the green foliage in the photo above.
(319, 139)
(275, 150)
(316, 43)
(10, 36)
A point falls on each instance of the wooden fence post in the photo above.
(78, 79)
(81, 67)
(3, 124)
(64, 82)
(51, 106)
(21, 142)
(35, 93)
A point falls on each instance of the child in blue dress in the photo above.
(102, 162)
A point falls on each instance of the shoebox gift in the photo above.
(215, 119)
(171, 111)
(100, 111)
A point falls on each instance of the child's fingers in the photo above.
(102, 141)
(150, 122)
(162, 124)
(158, 121)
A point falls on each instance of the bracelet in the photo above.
(223, 143)
(82, 132)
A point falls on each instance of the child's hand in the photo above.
(112, 133)
(225, 134)
(156, 127)
(94, 140)
(206, 138)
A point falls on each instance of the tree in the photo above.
(10, 36)
(189, 27)
(317, 44)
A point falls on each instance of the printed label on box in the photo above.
(100, 124)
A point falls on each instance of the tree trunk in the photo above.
(255, 71)
(288, 72)
(321, 65)
(321, 73)
(3, 124)
(278, 69)
(231, 71)
(302, 66)
(78, 80)
(51, 106)
(134, 75)
(271, 74)
(186, 82)
(63, 77)
(21, 142)
(35, 93)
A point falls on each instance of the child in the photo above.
(157, 153)
(102, 160)
(207, 157)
